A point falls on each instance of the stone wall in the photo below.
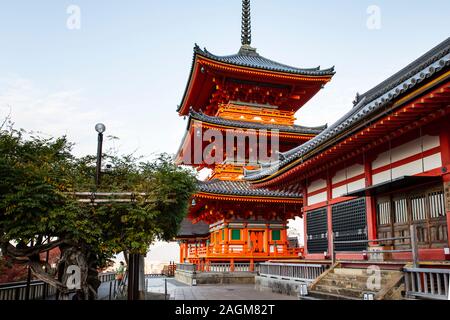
(215, 277)
(287, 287)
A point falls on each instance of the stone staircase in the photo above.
(339, 283)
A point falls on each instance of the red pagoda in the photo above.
(241, 117)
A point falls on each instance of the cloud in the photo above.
(48, 113)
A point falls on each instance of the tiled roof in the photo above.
(367, 104)
(255, 125)
(241, 188)
(248, 57)
(188, 229)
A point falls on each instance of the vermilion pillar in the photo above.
(266, 240)
(227, 238)
(284, 239)
(330, 217)
(445, 154)
(182, 245)
(305, 234)
(305, 231)
(371, 214)
(245, 238)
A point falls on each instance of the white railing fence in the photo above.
(189, 267)
(38, 290)
(427, 283)
(296, 272)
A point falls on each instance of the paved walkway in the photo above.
(103, 290)
(227, 292)
(180, 291)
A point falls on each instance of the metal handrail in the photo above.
(374, 240)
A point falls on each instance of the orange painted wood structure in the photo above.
(254, 100)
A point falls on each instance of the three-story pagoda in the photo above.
(253, 100)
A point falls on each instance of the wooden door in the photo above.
(256, 241)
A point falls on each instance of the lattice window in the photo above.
(349, 224)
(317, 231)
(384, 213)
(436, 203)
(401, 210)
(418, 208)
(424, 207)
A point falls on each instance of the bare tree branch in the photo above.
(39, 273)
(7, 118)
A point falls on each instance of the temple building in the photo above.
(240, 111)
(381, 173)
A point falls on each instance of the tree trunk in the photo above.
(75, 270)
(142, 288)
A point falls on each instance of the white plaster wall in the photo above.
(348, 173)
(357, 185)
(406, 150)
(320, 197)
(339, 191)
(381, 177)
(339, 176)
(408, 169)
(317, 185)
(346, 188)
(432, 162)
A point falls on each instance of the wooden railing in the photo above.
(296, 272)
(427, 283)
(227, 250)
(218, 267)
(39, 290)
(228, 267)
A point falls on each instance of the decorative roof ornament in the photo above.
(246, 30)
(246, 36)
(357, 99)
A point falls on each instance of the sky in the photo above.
(126, 63)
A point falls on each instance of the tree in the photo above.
(10, 272)
(39, 211)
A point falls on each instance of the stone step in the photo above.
(343, 292)
(317, 295)
(357, 278)
(359, 285)
(308, 297)
(362, 272)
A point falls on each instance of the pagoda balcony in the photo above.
(243, 252)
(255, 113)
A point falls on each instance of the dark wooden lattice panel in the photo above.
(349, 224)
(317, 231)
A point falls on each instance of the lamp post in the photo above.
(100, 128)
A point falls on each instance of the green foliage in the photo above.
(38, 178)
